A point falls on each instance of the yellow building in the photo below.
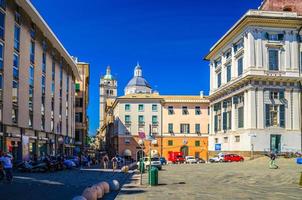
(185, 125)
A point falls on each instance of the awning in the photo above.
(127, 152)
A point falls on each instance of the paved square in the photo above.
(247, 180)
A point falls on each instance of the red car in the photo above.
(176, 157)
(233, 158)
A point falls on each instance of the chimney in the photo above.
(201, 94)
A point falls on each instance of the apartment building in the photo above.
(37, 78)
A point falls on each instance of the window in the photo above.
(43, 84)
(170, 128)
(16, 66)
(273, 55)
(3, 4)
(229, 75)
(216, 140)
(274, 115)
(154, 107)
(170, 142)
(141, 119)
(237, 138)
(225, 139)
(240, 66)
(15, 115)
(1, 84)
(79, 102)
(127, 119)
(217, 62)
(219, 79)
(53, 70)
(2, 25)
(228, 54)
(77, 87)
(274, 36)
(33, 31)
(44, 62)
(274, 95)
(185, 110)
(226, 121)
(140, 107)
(170, 110)
(31, 75)
(154, 120)
(197, 143)
(240, 117)
(197, 110)
(79, 117)
(30, 120)
(17, 38)
(197, 128)
(238, 46)
(1, 56)
(127, 107)
(184, 128)
(32, 51)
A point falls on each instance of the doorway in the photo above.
(184, 150)
(276, 143)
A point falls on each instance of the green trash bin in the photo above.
(153, 176)
(141, 166)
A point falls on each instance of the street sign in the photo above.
(141, 135)
(217, 147)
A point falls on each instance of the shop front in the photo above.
(13, 143)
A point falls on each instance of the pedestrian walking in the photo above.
(6, 161)
(272, 164)
(105, 161)
(114, 163)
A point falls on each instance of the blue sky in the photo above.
(169, 38)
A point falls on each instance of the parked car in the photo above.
(191, 160)
(176, 157)
(218, 158)
(163, 160)
(155, 162)
(200, 160)
(233, 158)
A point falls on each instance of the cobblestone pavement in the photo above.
(62, 185)
(247, 180)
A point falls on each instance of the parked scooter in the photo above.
(28, 166)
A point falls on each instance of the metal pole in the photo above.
(150, 156)
(141, 170)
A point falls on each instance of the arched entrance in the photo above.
(140, 154)
(185, 150)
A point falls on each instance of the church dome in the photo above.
(138, 83)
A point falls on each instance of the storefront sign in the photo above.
(25, 147)
(217, 147)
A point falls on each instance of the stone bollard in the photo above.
(79, 198)
(90, 193)
(100, 192)
(106, 187)
(115, 185)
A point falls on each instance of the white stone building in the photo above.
(255, 88)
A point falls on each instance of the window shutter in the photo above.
(215, 123)
(282, 116)
(281, 94)
(267, 115)
(224, 120)
(225, 104)
(280, 37)
(235, 100)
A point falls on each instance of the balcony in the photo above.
(141, 124)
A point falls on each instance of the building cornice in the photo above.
(256, 18)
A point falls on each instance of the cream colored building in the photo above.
(81, 105)
(37, 77)
(255, 88)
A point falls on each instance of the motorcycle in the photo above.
(28, 166)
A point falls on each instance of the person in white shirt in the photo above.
(6, 161)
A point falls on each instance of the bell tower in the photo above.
(108, 90)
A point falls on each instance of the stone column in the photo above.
(296, 110)
(288, 109)
(251, 52)
(246, 110)
(287, 51)
(260, 109)
(251, 119)
(233, 117)
(259, 52)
